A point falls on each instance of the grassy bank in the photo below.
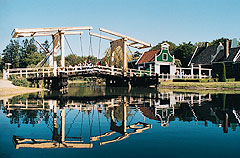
(213, 87)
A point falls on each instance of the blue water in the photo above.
(209, 129)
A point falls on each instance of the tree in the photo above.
(172, 46)
(222, 74)
(118, 57)
(22, 55)
(11, 54)
(184, 52)
(177, 62)
(216, 41)
(27, 53)
(72, 60)
(200, 44)
(46, 46)
(136, 55)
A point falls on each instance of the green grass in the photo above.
(199, 85)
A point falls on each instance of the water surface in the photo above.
(93, 121)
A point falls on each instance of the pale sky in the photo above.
(151, 21)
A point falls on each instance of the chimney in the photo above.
(206, 44)
(226, 48)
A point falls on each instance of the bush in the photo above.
(20, 82)
(222, 73)
(12, 77)
(194, 80)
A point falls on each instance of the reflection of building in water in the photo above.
(220, 109)
(217, 109)
(60, 139)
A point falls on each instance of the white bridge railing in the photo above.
(71, 71)
(83, 70)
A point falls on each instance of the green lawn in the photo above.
(215, 87)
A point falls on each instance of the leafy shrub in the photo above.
(222, 73)
(20, 82)
(12, 77)
(194, 80)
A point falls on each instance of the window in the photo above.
(165, 56)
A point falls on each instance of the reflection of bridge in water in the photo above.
(163, 107)
(59, 138)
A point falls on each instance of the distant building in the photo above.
(160, 61)
(208, 55)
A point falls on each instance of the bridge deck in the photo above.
(48, 72)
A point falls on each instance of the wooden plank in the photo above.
(124, 36)
(32, 32)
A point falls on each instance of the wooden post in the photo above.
(192, 75)
(210, 73)
(63, 124)
(124, 50)
(62, 50)
(150, 73)
(54, 54)
(20, 73)
(124, 123)
(26, 73)
(5, 76)
(199, 71)
(43, 72)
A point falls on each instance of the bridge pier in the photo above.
(59, 82)
(124, 81)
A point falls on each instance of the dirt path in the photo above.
(8, 90)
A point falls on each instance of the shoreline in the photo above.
(212, 87)
(8, 90)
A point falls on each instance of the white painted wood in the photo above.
(124, 36)
(62, 50)
(28, 32)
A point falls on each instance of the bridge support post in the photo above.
(124, 50)
(54, 54)
(62, 50)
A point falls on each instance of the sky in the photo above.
(151, 21)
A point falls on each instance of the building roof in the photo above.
(149, 113)
(232, 54)
(148, 56)
(204, 55)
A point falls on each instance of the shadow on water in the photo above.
(94, 116)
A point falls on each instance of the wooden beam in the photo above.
(124, 36)
(110, 39)
(35, 34)
(17, 31)
(101, 36)
(133, 43)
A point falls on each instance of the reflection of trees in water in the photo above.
(29, 117)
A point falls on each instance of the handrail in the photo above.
(77, 70)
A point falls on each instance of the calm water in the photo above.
(115, 122)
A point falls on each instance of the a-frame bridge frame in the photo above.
(123, 43)
(57, 34)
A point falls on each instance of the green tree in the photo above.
(90, 59)
(184, 52)
(216, 41)
(200, 44)
(11, 54)
(27, 53)
(136, 55)
(118, 57)
(72, 59)
(222, 74)
(172, 46)
(46, 46)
